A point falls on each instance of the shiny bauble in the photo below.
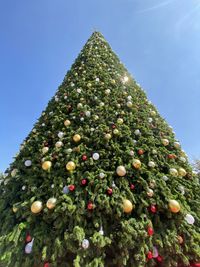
(95, 156)
(14, 209)
(151, 164)
(107, 91)
(45, 149)
(173, 172)
(84, 157)
(129, 104)
(76, 138)
(87, 113)
(127, 206)
(108, 136)
(177, 145)
(46, 165)
(67, 122)
(60, 134)
(115, 131)
(182, 172)
(109, 191)
(150, 231)
(120, 121)
(150, 192)
(183, 159)
(136, 164)
(28, 163)
(165, 142)
(70, 166)
(71, 187)
(174, 206)
(140, 152)
(85, 244)
(51, 203)
(153, 113)
(58, 144)
(180, 239)
(36, 207)
(29, 247)
(121, 171)
(65, 189)
(189, 219)
(101, 175)
(149, 255)
(14, 172)
(137, 132)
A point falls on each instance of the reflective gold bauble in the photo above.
(165, 142)
(182, 172)
(36, 207)
(15, 209)
(120, 120)
(136, 163)
(46, 165)
(45, 149)
(76, 138)
(108, 136)
(116, 131)
(67, 122)
(173, 172)
(127, 206)
(70, 166)
(174, 206)
(121, 171)
(51, 203)
(150, 192)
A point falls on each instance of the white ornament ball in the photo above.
(189, 219)
(165, 142)
(85, 243)
(78, 90)
(137, 132)
(131, 153)
(165, 178)
(183, 159)
(59, 144)
(45, 149)
(177, 145)
(88, 113)
(150, 120)
(129, 97)
(173, 172)
(69, 150)
(28, 163)
(120, 120)
(151, 164)
(60, 134)
(129, 104)
(95, 156)
(101, 175)
(154, 152)
(107, 91)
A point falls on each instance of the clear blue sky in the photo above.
(157, 40)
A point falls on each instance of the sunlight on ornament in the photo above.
(125, 79)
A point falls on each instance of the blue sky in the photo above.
(157, 40)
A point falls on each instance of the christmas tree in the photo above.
(101, 179)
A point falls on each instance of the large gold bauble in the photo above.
(46, 165)
(70, 166)
(182, 172)
(15, 209)
(51, 203)
(174, 206)
(120, 121)
(121, 171)
(67, 122)
(136, 163)
(127, 206)
(165, 142)
(36, 207)
(108, 136)
(76, 138)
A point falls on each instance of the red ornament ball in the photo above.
(159, 258)
(113, 126)
(140, 152)
(90, 206)
(171, 156)
(153, 209)
(109, 191)
(132, 187)
(46, 264)
(150, 255)
(71, 187)
(150, 231)
(28, 238)
(83, 181)
(84, 157)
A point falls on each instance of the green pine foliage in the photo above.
(88, 227)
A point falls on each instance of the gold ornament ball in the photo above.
(182, 172)
(46, 165)
(174, 206)
(70, 166)
(180, 239)
(45, 149)
(15, 209)
(51, 203)
(150, 192)
(116, 131)
(108, 136)
(136, 164)
(127, 206)
(173, 172)
(76, 138)
(67, 122)
(36, 207)
(121, 171)
(120, 121)
(165, 142)
(177, 145)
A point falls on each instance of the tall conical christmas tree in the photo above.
(101, 180)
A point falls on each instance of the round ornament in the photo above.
(45, 149)
(28, 163)
(155, 252)
(84, 157)
(149, 255)
(14, 172)
(116, 131)
(46, 165)
(76, 138)
(150, 192)
(28, 238)
(177, 145)
(180, 239)
(189, 219)
(165, 142)
(127, 206)
(120, 121)
(71, 187)
(14, 209)
(70, 166)
(151, 164)
(101, 175)
(173, 172)
(183, 159)
(182, 172)
(51, 203)
(129, 104)
(65, 189)
(88, 113)
(107, 91)
(165, 178)
(67, 122)
(140, 152)
(60, 134)
(136, 164)
(137, 132)
(121, 171)
(174, 206)
(36, 207)
(59, 144)
(95, 156)
(150, 231)
(107, 136)
(85, 244)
